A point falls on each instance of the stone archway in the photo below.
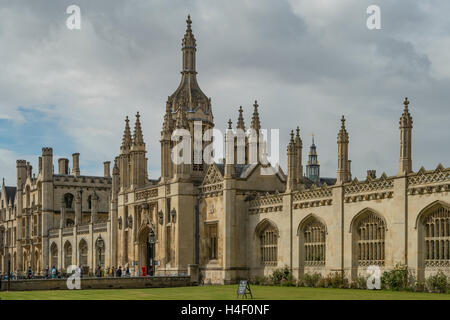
(147, 248)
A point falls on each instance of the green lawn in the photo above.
(220, 293)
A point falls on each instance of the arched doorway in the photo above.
(147, 250)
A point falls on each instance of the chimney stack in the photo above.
(76, 164)
(106, 169)
(63, 166)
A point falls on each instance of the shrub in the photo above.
(420, 286)
(311, 280)
(359, 283)
(258, 280)
(337, 280)
(437, 282)
(282, 276)
(396, 279)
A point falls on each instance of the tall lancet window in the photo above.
(437, 238)
(314, 243)
(371, 234)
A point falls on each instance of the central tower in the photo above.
(190, 104)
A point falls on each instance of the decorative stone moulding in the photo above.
(142, 195)
(429, 189)
(382, 183)
(369, 196)
(423, 176)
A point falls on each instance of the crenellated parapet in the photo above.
(432, 181)
(370, 189)
(313, 197)
(266, 203)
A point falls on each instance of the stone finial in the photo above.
(342, 135)
(229, 124)
(240, 121)
(138, 138)
(255, 124)
(126, 140)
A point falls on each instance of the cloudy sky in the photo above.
(307, 62)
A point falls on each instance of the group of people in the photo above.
(113, 272)
(53, 273)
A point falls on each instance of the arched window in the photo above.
(67, 254)
(314, 243)
(437, 237)
(268, 239)
(83, 252)
(89, 200)
(54, 255)
(68, 200)
(370, 232)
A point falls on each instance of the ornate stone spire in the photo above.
(255, 124)
(138, 138)
(406, 123)
(126, 140)
(230, 124)
(343, 171)
(189, 49)
(188, 94)
(291, 158)
(298, 140)
(406, 119)
(240, 122)
(342, 135)
(291, 144)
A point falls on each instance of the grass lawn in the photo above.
(227, 292)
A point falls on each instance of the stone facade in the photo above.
(54, 219)
(230, 220)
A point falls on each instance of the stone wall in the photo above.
(99, 283)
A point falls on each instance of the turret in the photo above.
(47, 164)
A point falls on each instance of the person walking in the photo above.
(119, 272)
(53, 272)
(29, 272)
(46, 272)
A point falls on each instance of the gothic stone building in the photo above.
(54, 219)
(232, 221)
